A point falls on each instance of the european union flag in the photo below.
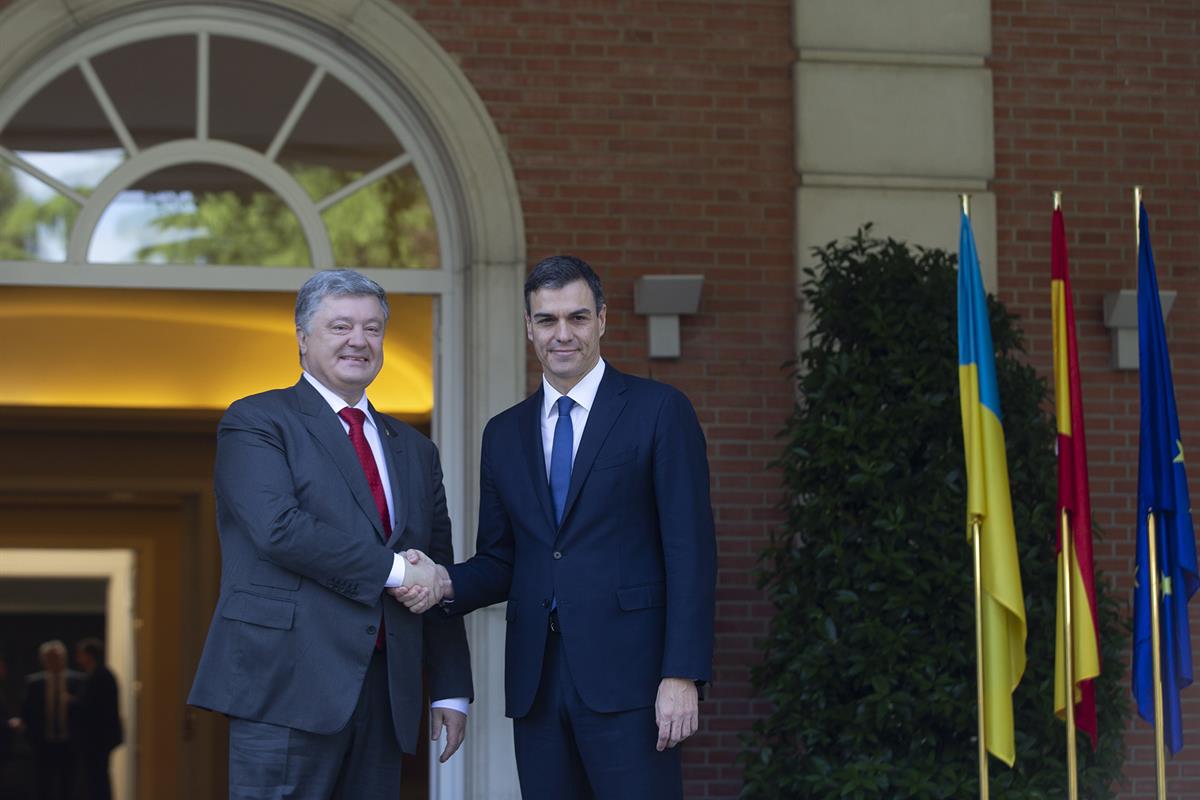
(1162, 491)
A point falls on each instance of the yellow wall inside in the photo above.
(137, 348)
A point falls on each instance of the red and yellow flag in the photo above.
(1073, 497)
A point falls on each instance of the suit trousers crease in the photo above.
(359, 762)
(566, 751)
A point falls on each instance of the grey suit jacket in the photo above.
(303, 565)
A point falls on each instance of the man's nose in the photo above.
(562, 331)
(358, 336)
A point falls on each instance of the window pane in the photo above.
(340, 133)
(199, 214)
(63, 132)
(250, 112)
(387, 223)
(35, 220)
(153, 86)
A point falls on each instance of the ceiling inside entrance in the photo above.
(113, 348)
(52, 595)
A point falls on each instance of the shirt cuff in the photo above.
(458, 704)
(396, 578)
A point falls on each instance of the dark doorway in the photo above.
(33, 611)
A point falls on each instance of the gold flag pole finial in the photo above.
(1057, 199)
(1137, 217)
(966, 204)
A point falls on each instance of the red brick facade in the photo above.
(657, 137)
(1092, 98)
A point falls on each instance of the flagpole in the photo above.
(1069, 660)
(1160, 757)
(976, 531)
(1068, 636)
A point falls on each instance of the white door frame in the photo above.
(480, 343)
(118, 568)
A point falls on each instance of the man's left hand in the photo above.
(455, 724)
(676, 710)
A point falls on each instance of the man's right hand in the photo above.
(426, 583)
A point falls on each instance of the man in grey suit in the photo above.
(317, 496)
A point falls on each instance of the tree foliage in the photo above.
(23, 219)
(870, 659)
(384, 224)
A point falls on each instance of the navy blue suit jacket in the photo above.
(633, 564)
(304, 559)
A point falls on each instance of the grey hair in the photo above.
(335, 283)
(53, 644)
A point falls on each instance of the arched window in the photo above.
(205, 140)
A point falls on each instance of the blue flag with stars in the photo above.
(1162, 491)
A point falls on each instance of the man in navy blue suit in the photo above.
(595, 526)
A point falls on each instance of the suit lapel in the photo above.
(397, 466)
(530, 431)
(609, 403)
(325, 427)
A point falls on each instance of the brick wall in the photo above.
(1094, 97)
(654, 137)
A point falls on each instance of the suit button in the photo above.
(557, 555)
(371, 629)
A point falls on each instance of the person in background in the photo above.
(48, 722)
(7, 725)
(97, 719)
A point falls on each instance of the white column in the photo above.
(893, 121)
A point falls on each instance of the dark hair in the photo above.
(556, 272)
(338, 283)
(93, 647)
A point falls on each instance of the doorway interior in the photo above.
(67, 594)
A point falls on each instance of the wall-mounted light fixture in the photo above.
(663, 298)
(1120, 317)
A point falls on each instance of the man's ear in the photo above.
(602, 316)
(528, 328)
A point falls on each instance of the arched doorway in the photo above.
(429, 151)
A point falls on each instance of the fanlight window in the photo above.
(210, 147)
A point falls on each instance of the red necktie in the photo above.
(362, 448)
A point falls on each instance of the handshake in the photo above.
(426, 583)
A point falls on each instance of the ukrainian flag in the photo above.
(989, 501)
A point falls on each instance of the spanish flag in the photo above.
(989, 502)
(1072, 498)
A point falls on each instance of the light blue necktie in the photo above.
(560, 457)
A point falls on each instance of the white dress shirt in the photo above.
(371, 433)
(584, 395)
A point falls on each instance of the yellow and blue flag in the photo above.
(1162, 491)
(989, 501)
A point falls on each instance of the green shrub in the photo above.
(870, 660)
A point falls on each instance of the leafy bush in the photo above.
(870, 659)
